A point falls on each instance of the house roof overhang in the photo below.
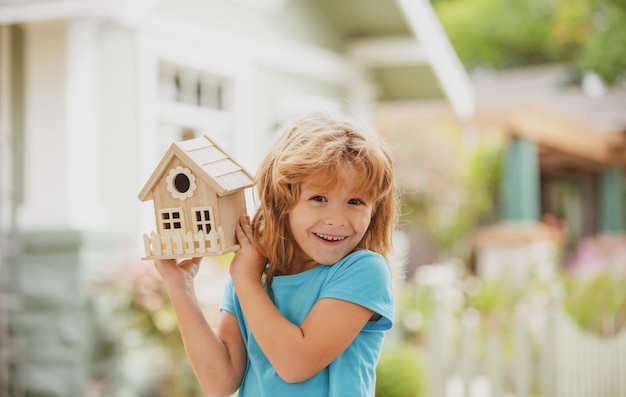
(572, 130)
(404, 47)
(400, 43)
(564, 143)
(22, 11)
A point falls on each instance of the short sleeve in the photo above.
(228, 299)
(364, 278)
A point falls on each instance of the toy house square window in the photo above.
(203, 219)
(171, 219)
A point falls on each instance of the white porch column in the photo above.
(61, 132)
(362, 95)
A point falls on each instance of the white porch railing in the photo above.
(178, 244)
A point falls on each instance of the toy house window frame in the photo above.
(203, 219)
(171, 220)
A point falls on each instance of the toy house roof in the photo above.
(208, 161)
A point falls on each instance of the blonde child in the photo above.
(309, 297)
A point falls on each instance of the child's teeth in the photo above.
(325, 237)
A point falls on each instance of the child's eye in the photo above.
(356, 201)
(318, 198)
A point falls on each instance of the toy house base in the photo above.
(184, 256)
(172, 246)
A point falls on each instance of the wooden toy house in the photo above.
(198, 195)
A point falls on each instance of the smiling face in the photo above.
(345, 171)
(327, 225)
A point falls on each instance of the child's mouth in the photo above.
(326, 237)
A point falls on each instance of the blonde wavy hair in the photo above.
(321, 149)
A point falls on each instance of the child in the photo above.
(309, 297)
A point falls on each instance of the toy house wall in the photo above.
(203, 196)
(231, 208)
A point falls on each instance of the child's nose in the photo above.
(335, 216)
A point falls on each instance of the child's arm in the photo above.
(296, 352)
(218, 357)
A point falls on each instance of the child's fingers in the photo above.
(191, 261)
(189, 264)
(246, 228)
(241, 235)
(244, 220)
(164, 262)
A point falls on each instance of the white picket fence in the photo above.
(585, 365)
(469, 358)
(179, 244)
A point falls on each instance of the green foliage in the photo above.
(494, 296)
(141, 318)
(474, 183)
(415, 303)
(588, 34)
(151, 313)
(600, 52)
(400, 373)
(499, 33)
(598, 303)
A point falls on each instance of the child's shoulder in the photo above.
(364, 259)
(364, 254)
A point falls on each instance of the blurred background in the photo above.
(508, 121)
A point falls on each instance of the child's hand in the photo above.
(248, 262)
(183, 272)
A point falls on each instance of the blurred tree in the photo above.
(590, 35)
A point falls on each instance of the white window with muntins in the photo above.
(193, 101)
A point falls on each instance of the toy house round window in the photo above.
(181, 183)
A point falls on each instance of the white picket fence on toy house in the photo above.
(532, 354)
(176, 244)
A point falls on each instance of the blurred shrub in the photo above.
(141, 333)
(415, 302)
(596, 303)
(494, 298)
(400, 373)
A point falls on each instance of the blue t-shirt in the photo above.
(364, 278)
